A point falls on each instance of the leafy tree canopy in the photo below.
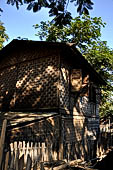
(3, 35)
(57, 8)
(101, 58)
(85, 32)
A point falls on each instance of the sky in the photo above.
(19, 23)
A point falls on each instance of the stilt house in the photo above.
(50, 95)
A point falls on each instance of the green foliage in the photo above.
(107, 101)
(3, 35)
(85, 32)
(100, 57)
(57, 8)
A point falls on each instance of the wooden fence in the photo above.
(17, 163)
(105, 140)
(31, 155)
(14, 160)
(38, 151)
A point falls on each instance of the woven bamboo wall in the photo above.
(7, 86)
(31, 83)
(39, 81)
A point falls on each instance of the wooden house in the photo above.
(50, 95)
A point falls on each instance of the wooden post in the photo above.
(6, 161)
(2, 139)
(60, 139)
(12, 161)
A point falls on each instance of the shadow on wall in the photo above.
(29, 86)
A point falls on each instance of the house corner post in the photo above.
(60, 138)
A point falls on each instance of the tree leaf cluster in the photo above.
(100, 57)
(83, 6)
(3, 35)
(57, 8)
(83, 30)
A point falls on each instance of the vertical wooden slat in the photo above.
(39, 150)
(21, 162)
(32, 150)
(35, 151)
(50, 151)
(47, 152)
(21, 149)
(35, 166)
(60, 138)
(29, 163)
(6, 161)
(12, 161)
(45, 159)
(41, 166)
(15, 152)
(27, 152)
(2, 139)
(43, 151)
(17, 160)
(61, 151)
(11, 147)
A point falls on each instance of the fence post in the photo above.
(2, 139)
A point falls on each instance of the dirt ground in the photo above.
(106, 163)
